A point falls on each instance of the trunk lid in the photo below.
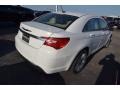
(32, 33)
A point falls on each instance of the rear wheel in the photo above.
(80, 61)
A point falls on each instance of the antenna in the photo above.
(60, 7)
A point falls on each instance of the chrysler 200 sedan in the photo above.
(61, 41)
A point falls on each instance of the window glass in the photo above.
(91, 25)
(103, 24)
(4, 8)
(57, 20)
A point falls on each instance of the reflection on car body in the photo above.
(67, 40)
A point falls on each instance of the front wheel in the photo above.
(80, 61)
(108, 42)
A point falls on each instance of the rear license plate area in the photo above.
(26, 37)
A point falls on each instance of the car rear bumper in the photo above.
(48, 60)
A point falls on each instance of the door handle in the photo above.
(92, 35)
(103, 33)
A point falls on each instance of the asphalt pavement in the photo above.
(103, 68)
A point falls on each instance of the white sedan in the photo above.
(58, 41)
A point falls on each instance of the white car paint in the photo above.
(53, 60)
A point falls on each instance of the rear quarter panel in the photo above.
(76, 44)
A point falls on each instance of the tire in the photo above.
(80, 61)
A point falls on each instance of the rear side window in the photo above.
(57, 20)
(91, 25)
(103, 24)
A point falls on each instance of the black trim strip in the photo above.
(26, 29)
(31, 35)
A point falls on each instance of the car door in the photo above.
(92, 33)
(104, 30)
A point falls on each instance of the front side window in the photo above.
(57, 20)
(91, 25)
(103, 24)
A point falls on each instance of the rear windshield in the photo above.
(57, 20)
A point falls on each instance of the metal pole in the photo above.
(56, 8)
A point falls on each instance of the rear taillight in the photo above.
(56, 43)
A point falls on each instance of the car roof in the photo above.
(74, 14)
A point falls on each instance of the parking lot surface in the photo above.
(102, 68)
